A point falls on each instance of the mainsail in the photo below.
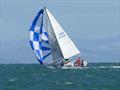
(50, 39)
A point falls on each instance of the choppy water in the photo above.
(37, 77)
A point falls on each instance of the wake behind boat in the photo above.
(51, 44)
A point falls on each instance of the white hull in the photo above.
(71, 64)
(73, 67)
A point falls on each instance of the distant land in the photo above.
(95, 50)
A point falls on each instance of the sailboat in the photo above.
(50, 43)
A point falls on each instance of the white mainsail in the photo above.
(66, 45)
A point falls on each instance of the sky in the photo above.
(93, 25)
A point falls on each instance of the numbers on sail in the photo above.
(61, 35)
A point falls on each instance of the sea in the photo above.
(96, 76)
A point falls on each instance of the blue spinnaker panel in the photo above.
(38, 36)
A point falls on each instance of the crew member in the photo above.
(78, 62)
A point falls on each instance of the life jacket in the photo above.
(78, 62)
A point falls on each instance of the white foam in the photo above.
(109, 66)
(12, 79)
(104, 67)
(115, 66)
(51, 67)
(68, 83)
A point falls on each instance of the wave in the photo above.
(100, 67)
(50, 67)
(12, 79)
(104, 67)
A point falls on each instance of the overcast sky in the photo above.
(81, 19)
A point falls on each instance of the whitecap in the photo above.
(109, 66)
(104, 67)
(12, 79)
(68, 83)
(114, 66)
(50, 67)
